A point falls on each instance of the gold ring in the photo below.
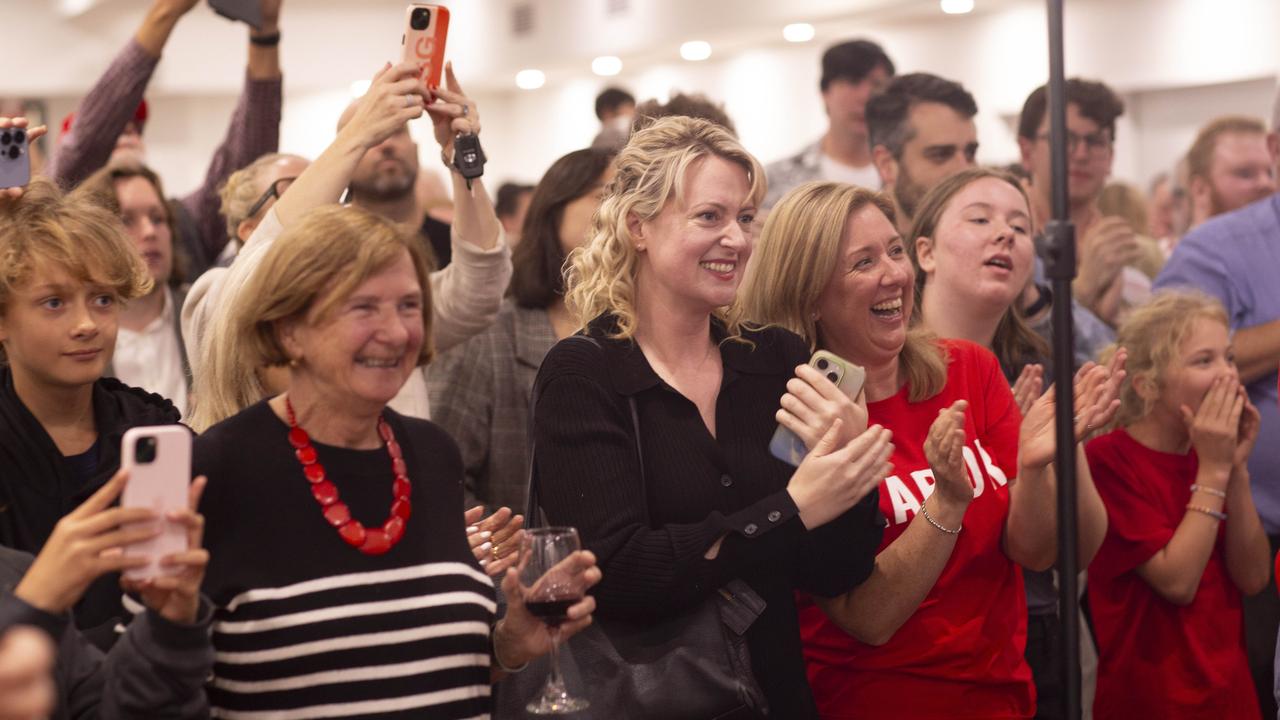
(494, 551)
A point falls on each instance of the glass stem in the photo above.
(555, 681)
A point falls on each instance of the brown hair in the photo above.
(1200, 156)
(1124, 200)
(793, 262)
(1014, 343)
(651, 169)
(1152, 335)
(71, 232)
(243, 188)
(537, 277)
(322, 259)
(1094, 100)
(100, 188)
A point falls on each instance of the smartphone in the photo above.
(426, 27)
(15, 158)
(245, 11)
(786, 445)
(158, 459)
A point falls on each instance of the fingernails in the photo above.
(485, 546)
(472, 530)
(486, 535)
(484, 562)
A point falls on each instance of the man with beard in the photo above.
(921, 132)
(1229, 166)
(851, 73)
(1234, 257)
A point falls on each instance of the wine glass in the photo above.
(552, 585)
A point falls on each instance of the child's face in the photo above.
(59, 330)
(1205, 354)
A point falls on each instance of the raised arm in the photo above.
(254, 130)
(109, 106)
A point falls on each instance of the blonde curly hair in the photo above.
(651, 169)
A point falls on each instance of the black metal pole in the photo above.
(1060, 267)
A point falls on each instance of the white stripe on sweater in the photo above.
(346, 676)
(355, 610)
(349, 642)
(366, 707)
(357, 579)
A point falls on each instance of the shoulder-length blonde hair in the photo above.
(1152, 335)
(1015, 342)
(794, 260)
(314, 265)
(651, 169)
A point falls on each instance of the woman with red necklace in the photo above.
(342, 574)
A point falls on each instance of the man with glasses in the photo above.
(1105, 246)
(250, 192)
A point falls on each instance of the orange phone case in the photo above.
(426, 46)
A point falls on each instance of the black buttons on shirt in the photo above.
(750, 529)
(774, 516)
(726, 481)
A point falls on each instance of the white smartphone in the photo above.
(158, 459)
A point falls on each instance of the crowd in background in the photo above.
(368, 369)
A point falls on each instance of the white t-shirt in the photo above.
(865, 176)
(151, 359)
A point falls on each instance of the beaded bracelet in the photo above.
(1212, 491)
(1208, 511)
(924, 511)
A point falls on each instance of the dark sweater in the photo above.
(304, 620)
(156, 670)
(37, 486)
(650, 534)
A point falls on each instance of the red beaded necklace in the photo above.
(370, 542)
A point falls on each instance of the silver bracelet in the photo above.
(1212, 491)
(924, 511)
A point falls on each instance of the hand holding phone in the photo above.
(158, 460)
(426, 28)
(15, 154)
(805, 405)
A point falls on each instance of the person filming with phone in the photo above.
(652, 431)
(937, 629)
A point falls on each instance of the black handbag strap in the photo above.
(534, 516)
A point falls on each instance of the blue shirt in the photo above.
(1235, 257)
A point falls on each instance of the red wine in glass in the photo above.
(551, 584)
(552, 612)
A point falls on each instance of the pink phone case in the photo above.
(425, 45)
(158, 459)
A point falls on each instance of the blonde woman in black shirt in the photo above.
(706, 504)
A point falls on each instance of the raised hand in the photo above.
(1215, 427)
(520, 637)
(27, 687)
(395, 96)
(1107, 246)
(6, 123)
(1250, 422)
(1028, 386)
(813, 403)
(452, 112)
(833, 478)
(86, 543)
(494, 540)
(944, 449)
(176, 597)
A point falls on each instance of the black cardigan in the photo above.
(696, 488)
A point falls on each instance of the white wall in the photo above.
(1178, 62)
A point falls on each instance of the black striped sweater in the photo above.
(309, 627)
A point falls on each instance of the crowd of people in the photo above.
(367, 373)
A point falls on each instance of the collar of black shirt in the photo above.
(630, 371)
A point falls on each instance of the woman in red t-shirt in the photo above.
(938, 629)
(1183, 541)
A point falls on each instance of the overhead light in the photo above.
(606, 65)
(695, 50)
(530, 79)
(798, 32)
(956, 7)
(359, 88)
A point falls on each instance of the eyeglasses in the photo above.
(275, 191)
(1097, 143)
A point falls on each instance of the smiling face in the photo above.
(864, 309)
(146, 219)
(693, 253)
(59, 331)
(363, 351)
(981, 253)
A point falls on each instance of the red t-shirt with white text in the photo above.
(1156, 659)
(960, 656)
